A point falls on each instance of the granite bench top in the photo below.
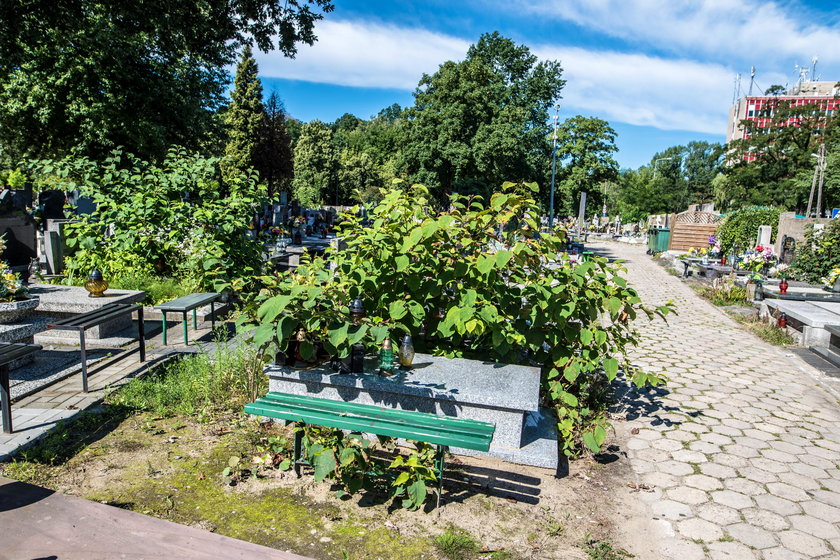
(810, 313)
(454, 379)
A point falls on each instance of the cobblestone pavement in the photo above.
(742, 449)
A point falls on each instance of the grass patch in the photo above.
(158, 289)
(728, 294)
(766, 332)
(604, 550)
(456, 544)
(223, 379)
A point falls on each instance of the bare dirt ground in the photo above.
(171, 468)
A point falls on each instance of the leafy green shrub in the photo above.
(227, 378)
(158, 289)
(819, 253)
(741, 227)
(474, 281)
(175, 218)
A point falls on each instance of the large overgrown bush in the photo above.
(474, 281)
(819, 253)
(741, 227)
(175, 219)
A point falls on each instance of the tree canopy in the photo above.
(91, 75)
(316, 165)
(585, 146)
(482, 121)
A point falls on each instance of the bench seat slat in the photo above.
(188, 302)
(371, 426)
(453, 429)
(418, 418)
(9, 352)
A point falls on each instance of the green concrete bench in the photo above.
(9, 352)
(186, 304)
(442, 431)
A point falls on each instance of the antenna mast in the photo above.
(752, 79)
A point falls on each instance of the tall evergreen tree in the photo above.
(244, 117)
(316, 164)
(274, 153)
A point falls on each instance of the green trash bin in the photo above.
(658, 239)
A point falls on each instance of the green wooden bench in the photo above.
(186, 304)
(442, 431)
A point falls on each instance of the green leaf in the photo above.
(402, 262)
(600, 435)
(285, 327)
(324, 465)
(611, 367)
(263, 334)
(379, 332)
(338, 335)
(285, 465)
(397, 310)
(502, 258)
(401, 479)
(585, 337)
(307, 350)
(485, 264)
(273, 307)
(589, 440)
(417, 493)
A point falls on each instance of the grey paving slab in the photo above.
(751, 431)
(40, 523)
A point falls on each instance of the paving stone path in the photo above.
(742, 448)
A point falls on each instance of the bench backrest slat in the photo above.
(416, 417)
(96, 317)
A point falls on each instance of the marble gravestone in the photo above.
(763, 237)
(505, 395)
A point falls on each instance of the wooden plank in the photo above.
(11, 351)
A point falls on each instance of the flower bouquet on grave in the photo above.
(11, 286)
(832, 281)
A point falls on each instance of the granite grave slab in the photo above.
(505, 395)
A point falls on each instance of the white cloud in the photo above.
(365, 55)
(631, 88)
(760, 32)
(645, 90)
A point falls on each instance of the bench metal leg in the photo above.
(213, 315)
(439, 465)
(84, 360)
(6, 399)
(164, 326)
(141, 332)
(186, 340)
(195, 320)
(298, 448)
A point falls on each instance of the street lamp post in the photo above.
(553, 168)
(657, 161)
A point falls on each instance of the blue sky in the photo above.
(661, 72)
